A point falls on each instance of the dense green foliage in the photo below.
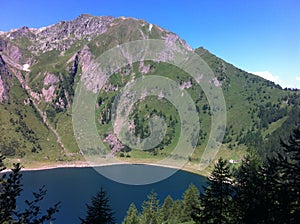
(265, 109)
(150, 210)
(170, 211)
(132, 215)
(258, 191)
(268, 113)
(99, 212)
(272, 144)
(262, 192)
(217, 199)
(10, 190)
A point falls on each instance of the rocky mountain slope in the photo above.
(39, 69)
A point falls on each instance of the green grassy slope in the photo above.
(259, 112)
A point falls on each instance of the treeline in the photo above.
(270, 113)
(171, 211)
(256, 192)
(270, 144)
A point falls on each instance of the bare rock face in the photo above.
(144, 69)
(50, 79)
(48, 90)
(3, 44)
(3, 85)
(3, 90)
(85, 58)
(171, 39)
(2, 65)
(10, 50)
(85, 31)
(49, 93)
(216, 82)
(22, 32)
(62, 35)
(14, 53)
(45, 64)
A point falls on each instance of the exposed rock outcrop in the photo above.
(62, 35)
(10, 50)
(50, 79)
(22, 32)
(85, 58)
(48, 90)
(3, 85)
(48, 94)
(46, 61)
(144, 69)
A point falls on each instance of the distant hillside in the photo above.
(260, 113)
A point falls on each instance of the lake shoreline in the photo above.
(74, 188)
(83, 164)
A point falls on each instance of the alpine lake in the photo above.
(74, 188)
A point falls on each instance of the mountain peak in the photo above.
(85, 15)
(85, 18)
(62, 35)
(40, 69)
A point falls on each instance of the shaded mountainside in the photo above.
(39, 69)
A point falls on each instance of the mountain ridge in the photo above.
(39, 69)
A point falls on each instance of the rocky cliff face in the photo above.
(39, 69)
(62, 35)
(3, 85)
(68, 45)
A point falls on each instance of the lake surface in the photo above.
(74, 187)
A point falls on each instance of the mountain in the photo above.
(40, 68)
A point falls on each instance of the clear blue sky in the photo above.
(255, 35)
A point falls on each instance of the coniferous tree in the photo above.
(10, 190)
(287, 162)
(175, 213)
(270, 193)
(99, 212)
(151, 213)
(277, 197)
(247, 182)
(216, 201)
(166, 209)
(267, 194)
(191, 201)
(132, 216)
(256, 192)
